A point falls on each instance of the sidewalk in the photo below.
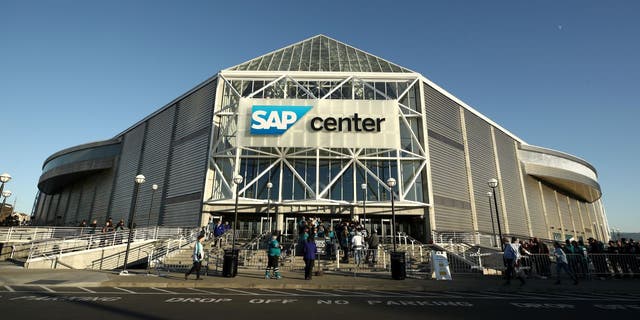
(295, 280)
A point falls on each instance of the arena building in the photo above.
(316, 129)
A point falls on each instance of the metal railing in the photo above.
(155, 253)
(92, 241)
(27, 234)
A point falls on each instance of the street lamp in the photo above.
(230, 259)
(269, 186)
(139, 179)
(398, 261)
(6, 194)
(391, 182)
(364, 204)
(4, 178)
(154, 187)
(493, 184)
(493, 227)
(237, 180)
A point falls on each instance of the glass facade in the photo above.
(320, 54)
(325, 173)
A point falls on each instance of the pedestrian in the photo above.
(511, 255)
(274, 249)
(344, 244)
(374, 242)
(83, 223)
(93, 226)
(198, 255)
(357, 243)
(218, 232)
(562, 263)
(309, 251)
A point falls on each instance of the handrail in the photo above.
(92, 241)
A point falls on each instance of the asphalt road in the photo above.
(42, 302)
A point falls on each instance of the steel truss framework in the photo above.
(319, 176)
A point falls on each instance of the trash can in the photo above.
(398, 265)
(230, 263)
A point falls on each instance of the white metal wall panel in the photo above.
(40, 207)
(62, 206)
(46, 200)
(104, 182)
(511, 187)
(452, 207)
(482, 169)
(195, 112)
(183, 213)
(188, 158)
(127, 171)
(154, 166)
(71, 216)
(86, 200)
(575, 216)
(188, 167)
(53, 207)
(443, 115)
(564, 214)
(450, 187)
(536, 212)
(552, 208)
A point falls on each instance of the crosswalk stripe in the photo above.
(351, 292)
(125, 290)
(280, 292)
(318, 292)
(243, 292)
(162, 290)
(47, 289)
(202, 291)
(87, 290)
(9, 288)
(387, 293)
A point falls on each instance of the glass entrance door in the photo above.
(385, 229)
(265, 225)
(290, 226)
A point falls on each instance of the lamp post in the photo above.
(154, 187)
(493, 184)
(237, 180)
(364, 206)
(230, 259)
(139, 179)
(493, 227)
(4, 178)
(6, 194)
(391, 182)
(398, 261)
(269, 186)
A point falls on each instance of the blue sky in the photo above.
(559, 74)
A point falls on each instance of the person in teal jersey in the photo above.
(198, 256)
(274, 249)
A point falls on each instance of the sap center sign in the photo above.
(318, 123)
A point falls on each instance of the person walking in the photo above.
(511, 256)
(357, 243)
(374, 242)
(562, 263)
(274, 250)
(198, 255)
(309, 254)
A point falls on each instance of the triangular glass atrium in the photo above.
(320, 53)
